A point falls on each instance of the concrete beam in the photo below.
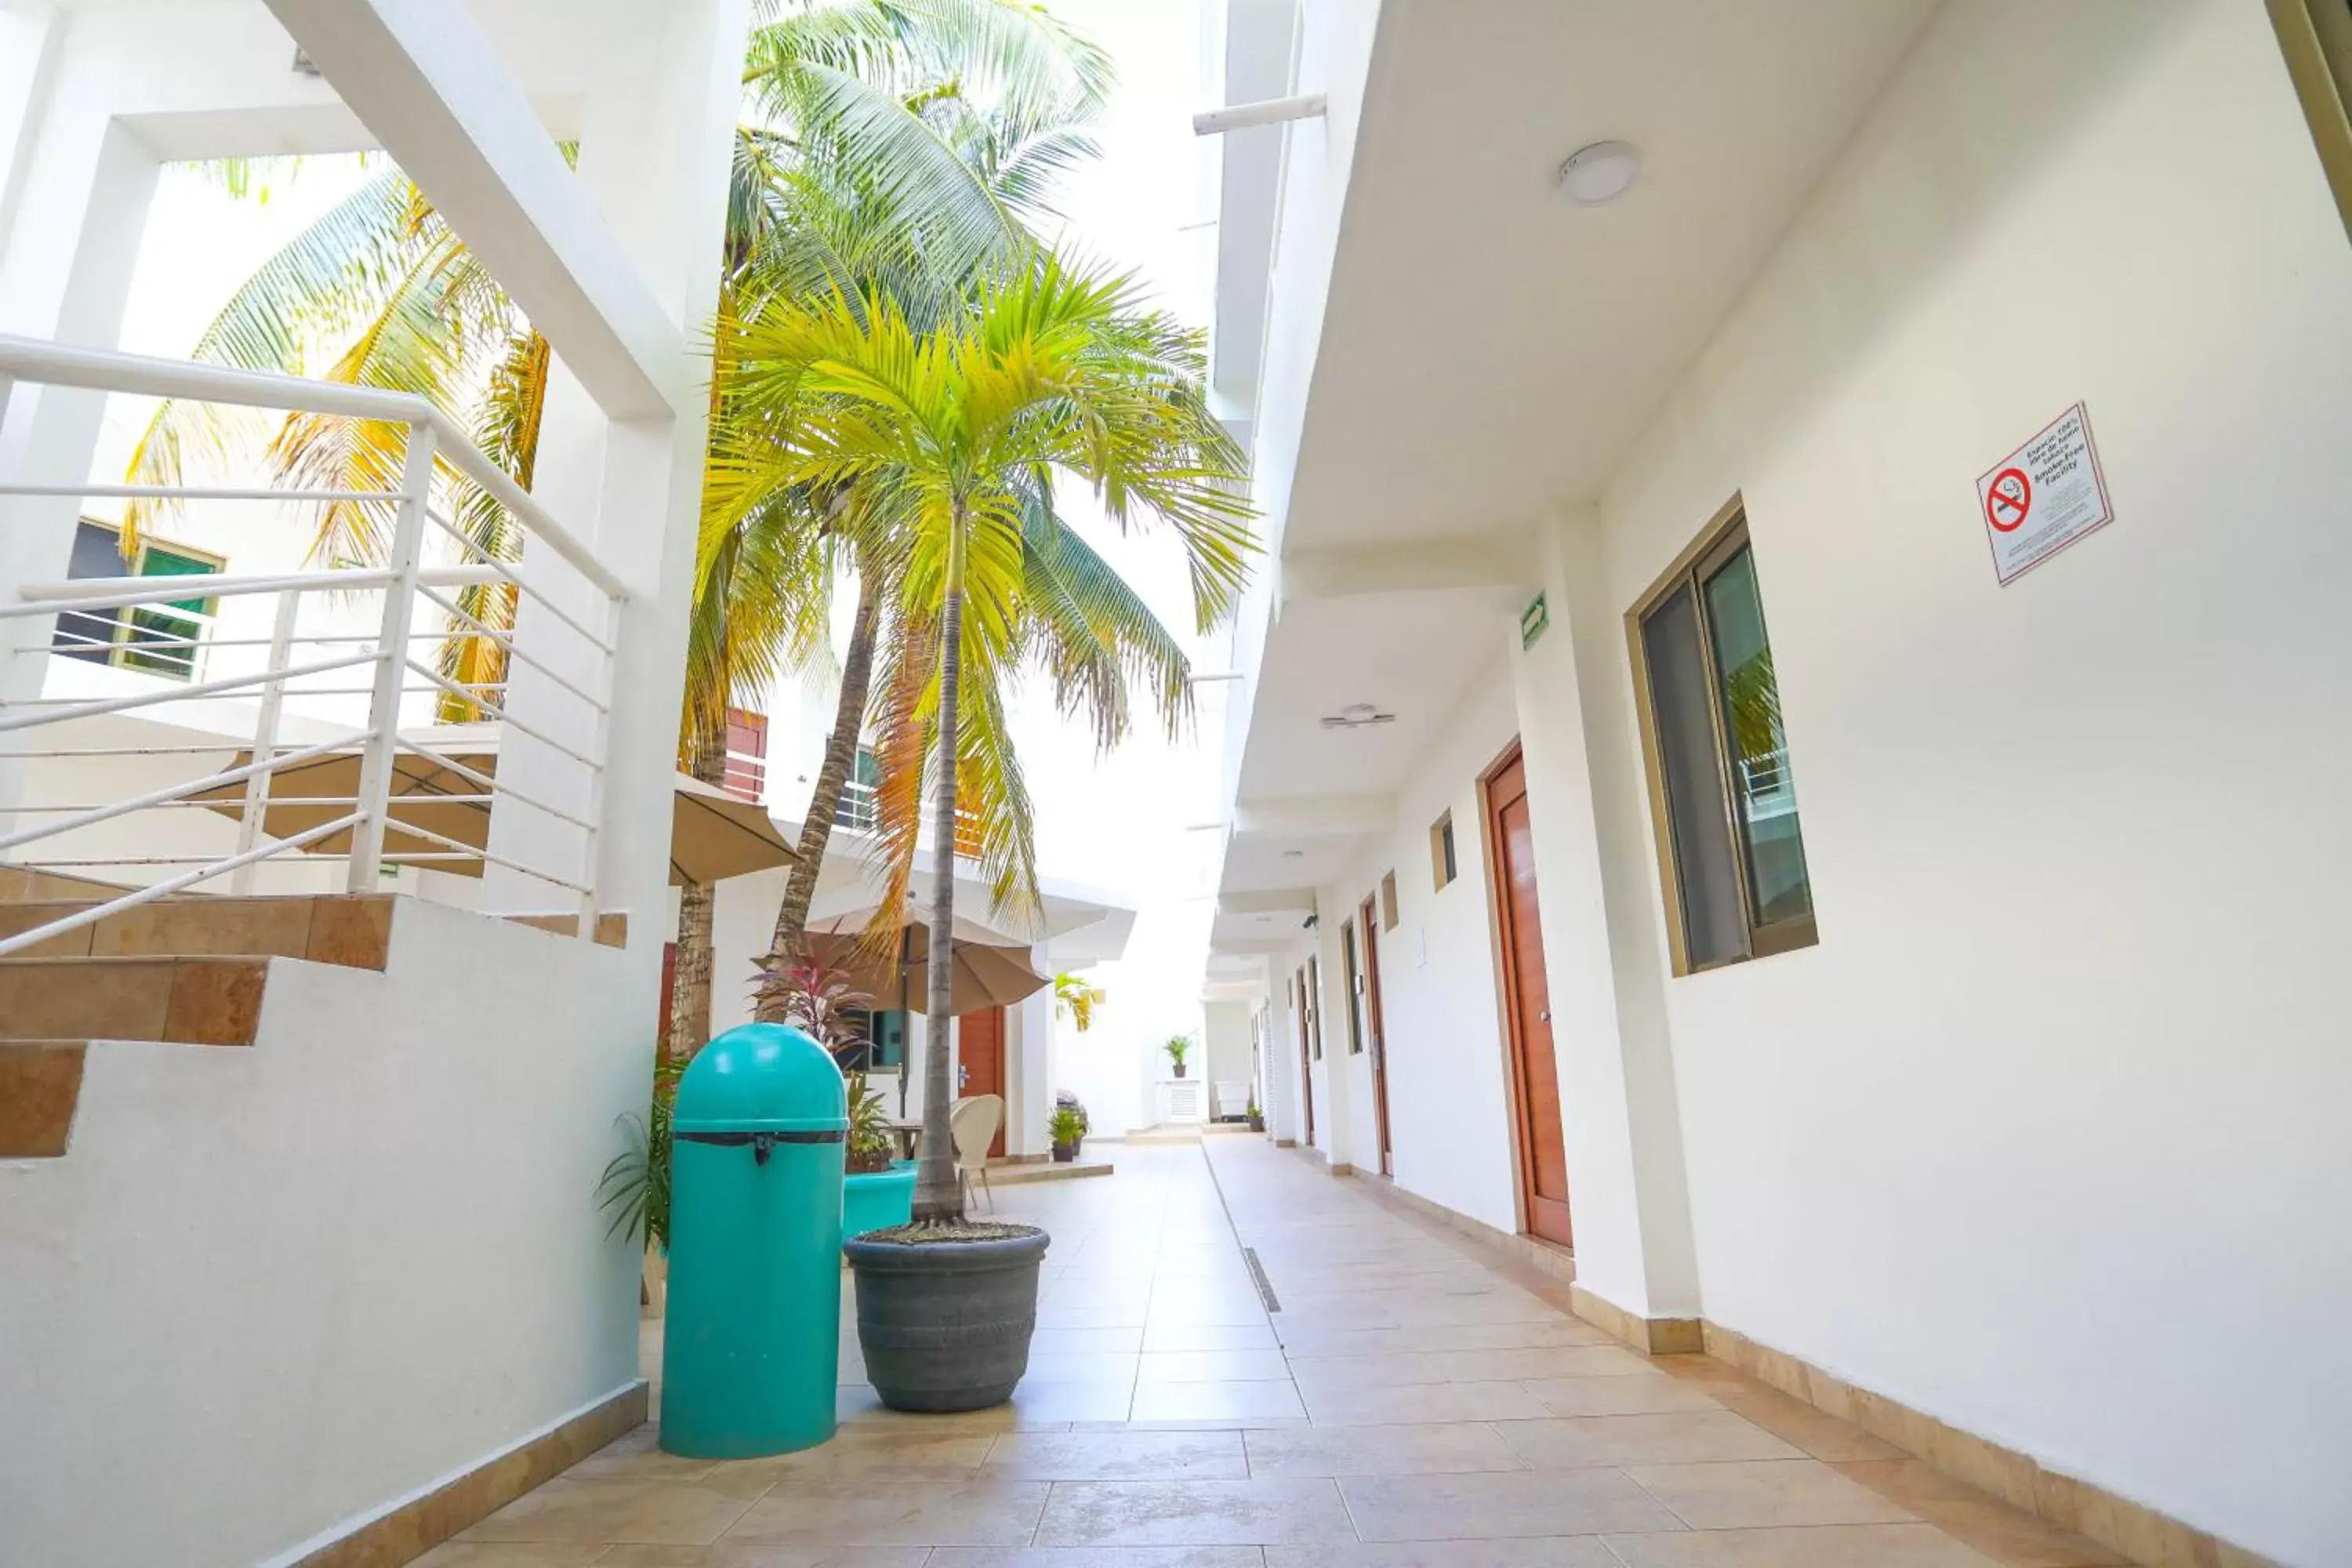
(1506, 566)
(1267, 901)
(425, 79)
(1257, 946)
(1314, 815)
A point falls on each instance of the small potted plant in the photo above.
(1066, 1126)
(1256, 1116)
(1177, 1047)
(1065, 1101)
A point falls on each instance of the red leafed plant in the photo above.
(798, 988)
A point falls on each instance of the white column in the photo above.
(1029, 1073)
(655, 143)
(1628, 1196)
(30, 36)
(72, 210)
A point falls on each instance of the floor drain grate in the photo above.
(1258, 1276)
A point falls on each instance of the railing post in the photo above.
(264, 739)
(592, 875)
(391, 661)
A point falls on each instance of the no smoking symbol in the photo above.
(2010, 498)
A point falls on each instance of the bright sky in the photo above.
(1115, 822)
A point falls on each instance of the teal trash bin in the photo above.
(751, 1343)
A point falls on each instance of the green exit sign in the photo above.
(1532, 622)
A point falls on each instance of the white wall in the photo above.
(1448, 1097)
(1224, 1053)
(2045, 1136)
(284, 1286)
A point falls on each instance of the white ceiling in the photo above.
(1490, 349)
(1408, 654)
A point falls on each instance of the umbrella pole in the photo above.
(906, 1062)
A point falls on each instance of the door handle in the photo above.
(1544, 1015)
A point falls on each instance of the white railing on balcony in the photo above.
(746, 775)
(856, 811)
(1764, 784)
(361, 690)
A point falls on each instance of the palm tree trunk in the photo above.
(832, 775)
(938, 1197)
(689, 993)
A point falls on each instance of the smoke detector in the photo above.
(1600, 172)
(1356, 716)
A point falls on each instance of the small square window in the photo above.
(1441, 851)
(1387, 902)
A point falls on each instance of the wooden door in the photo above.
(1305, 1060)
(979, 1052)
(1534, 1075)
(1376, 1035)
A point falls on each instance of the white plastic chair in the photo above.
(972, 1125)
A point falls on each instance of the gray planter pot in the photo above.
(945, 1326)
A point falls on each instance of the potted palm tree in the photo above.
(1177, 1047)
(953, 433)
(1066, 1126)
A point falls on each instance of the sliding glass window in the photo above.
(1730, 848)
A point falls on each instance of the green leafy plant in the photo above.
(871, 1144)
(1077, 1001)
(953, 432)
(1177, 1047)
(1066, 1126)
(635, 1189)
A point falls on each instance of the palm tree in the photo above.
(954, 434)
(899, 140)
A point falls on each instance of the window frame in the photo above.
(122, 651)
(1726, 534)
(1352, 961)
(2318, 51)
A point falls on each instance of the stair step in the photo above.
(40, 1080)
(19, 883)
(351, 930)
(210, 1001)
(612, 926)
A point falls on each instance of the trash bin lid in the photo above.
(761, 1078)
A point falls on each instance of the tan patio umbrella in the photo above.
(713, 834)
(991, 970)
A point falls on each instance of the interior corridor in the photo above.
(1409, 1403)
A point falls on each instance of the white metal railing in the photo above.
(336, 693)
(746, 775)
(858, 811)
(1764, 783)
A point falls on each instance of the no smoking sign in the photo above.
(2044, 497)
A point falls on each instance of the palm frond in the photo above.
(336, 272)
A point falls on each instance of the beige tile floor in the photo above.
(1413, 1404)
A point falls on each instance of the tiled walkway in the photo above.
(1413, 1404)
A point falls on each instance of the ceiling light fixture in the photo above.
(1294, 853)
(1356, 716)
(1600, 172)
